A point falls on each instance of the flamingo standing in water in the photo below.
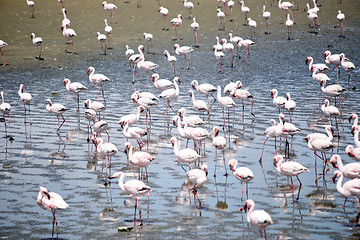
(108, 30)
(31, 5)
(134, 188)
(257, 218)
(243, 95)
(290, 169)
(26, 99)
(243, 174)
(101, 126)
(184, 155)
(266, 16)
(274, 131)
(70, 34)
(204, 88)
(37, 41)
(225, 102)
(90, 115)
(321, 67)
(164, 12)
(3, 44)
(147, 66)
(128, 53)
(335, 60)
(110, 7)
(347, 66)
(319, 77)
(192, 120)
(278, 101)
(51, 201)
(231, 4)
(134, 133)
(105, 149)
(58, 109)
(135, 58)
(289, 24)
(350, 188)
(352, 152)
(102, 39)
(252, 24)
(183, 51)
(177, 123)
(341, 17)
(176, 22)
(171, 93)
(149, 40)
(140, 159)
(286, 6)
(290, 106)
(5, 110)
(76, 88)
(355, 124)
(131, 118)
(245, 10)
(172, 60)
(330, 110)
(221, 17)
(199, 105)
(95, 105)
(232, 86)
(189, 6)
(228, 49)
(98, 79)
(195, 27)
(246, 43)
(351, 170)
(197, 177)
(219, 142)
(235, 41)
(147, 103)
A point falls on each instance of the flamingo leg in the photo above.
(102, 90)
(299, 188)
(2, 54)
(263, 150)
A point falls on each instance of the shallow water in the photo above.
(70, 167)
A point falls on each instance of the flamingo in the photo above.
(102, 39)
(90, 115)
(98, 79)
(218, 45)
(341, 17)
(185, 155)
(197, 177)
(321, 67)
(176, 22)
(278, 101)
(197, 134)
(199, 105)
(312, 16)
(245, 10)
(252, 24)
(192, 120)
(335, 60)
(26, 100)
(266, 16)
(288, 129)
(148, 38)
(105, 149)
(164, 12)
(333, 90)
(219, 56)
(204, 88)
(183, 51)
(347, 66)
(134, 188)
(37, 41)
(257, 218)
(147, 103)
(221, 16)
(189, 6)
(65, 21)
(231, 4)
(350, 188)
(246, 43)
(319, 77)
(31, 5)
(128, 53)
(147, 66)
(177, 122)
(70, 34)
(140, 159)
(225, 102)
(135, 58)
(195, 27)
(228, 49)
(131, 118)
(5, 110)
(219, 142)
(161, 84)
(274, 131)
(243, 174)
(290, 169)
(289, 24)
(286, 6)
(51, 201)
(290, 106)
(171, 93)
(101, 126)
(351, 170)
(110, 7)
(58, 109)
(355, 124)
(313, 11)
(329, 110)
(2, 45)
(172, 60)
(353, 153)
(95, 105)
(76, 88)
(108, 29)
(232, 86)
(134, 133)
(235, 41)
(243, 95)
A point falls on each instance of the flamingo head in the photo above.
(216, 131)
(173, 141)
(307, 60)
(204, 167)
(232, 164)
(87, 103)
(238, 84)
(45, 192)
(89, 70)
(337, 174)
(327, 53)
(277, 159)
(273, 93)
(247, 205)
(182, 111)
(66, 81)
(176, 46)
(174, 120)
(180, 16)
(49, 101)
(218, 10)
(177, 79)
(334, 159)
(191, 92)
(155, 76)
(127, 147)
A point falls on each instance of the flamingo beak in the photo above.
(334, 178)
(334, 165)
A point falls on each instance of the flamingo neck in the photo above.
(330, 135)
(356, 137)
(250, 210)
(121, 182)
(339, 187)
(339, 164)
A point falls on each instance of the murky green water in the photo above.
(70, 167)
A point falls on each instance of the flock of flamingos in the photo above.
(192, 127)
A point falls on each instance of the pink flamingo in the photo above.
(172, 93)
(98, 79)
(288, 129)
(290, 106)
(341, 17)
(321, 67)
(134, 188)
(31, 5)
(252, 24)
(319, 77)
(26, 100)
(245, 10)
(192, 120)
(266, 16)
(289, 24)
(76, 88)
(225, 102)
(221, 16)
(131, 118)
(37, 41)
(347, 66)
(177, 123)
(65, 21)
(161, 84)
(228, 49)
(134, 59)
(108, 30)
(172, 60)
(335, 60)
(204, 88)
(232, 86)
(243, 95)
(110, 7)
(183, 51)
(199, 105)
(355, 124)
(330, 110)
(353, 153)
(134, 133)
(351, 170)
(58, 109)
(184, 155)
(176, 22)
(105, 149)
(5, 110)
(197, 177)
(91, 116)
(128, 53)
(278, 101)
(219, 142)
(274, 131)
(290, 169)
(164, 12)
(2, 45)
(101, 126)
(70, 34)
(189, 6)
(286, 6)
(95, 105)
(231, 5)
(235, 41)
(147, 103)
(147, 66)
(195, 27)
(247, 43)
(140, 159)
(257, 218)
(243, 174)
(198, 134)
(350, 188)
(149, 40)
(51, 201)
